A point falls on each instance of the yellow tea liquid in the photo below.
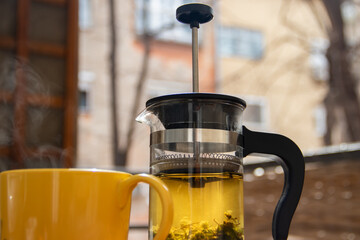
(206, 206)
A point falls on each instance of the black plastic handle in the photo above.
(294, 171)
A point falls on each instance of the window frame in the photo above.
(23, 47)
(262, 102)
(162, 19)
(230, 37)
(86, 79)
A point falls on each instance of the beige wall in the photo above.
(94, 147)
(282, 75)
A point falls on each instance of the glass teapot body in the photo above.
(196, 148)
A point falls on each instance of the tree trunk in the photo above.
(136, 102)
(146, 39)
(113, 85)
(342, 100)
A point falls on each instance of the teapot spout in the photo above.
(144, 117)
(149, 117)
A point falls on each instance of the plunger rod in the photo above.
(195, 59)
(194, 14)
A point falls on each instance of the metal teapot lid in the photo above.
(197, 110)
(199, 96)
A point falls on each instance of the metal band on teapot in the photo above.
(209, 139)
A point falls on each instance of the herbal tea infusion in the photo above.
(208, 206)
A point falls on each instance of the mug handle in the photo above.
(292, 162)
(127, 186)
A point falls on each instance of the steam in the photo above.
(7, 86)
(43, 134)
(8, 75)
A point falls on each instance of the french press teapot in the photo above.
(197, 145)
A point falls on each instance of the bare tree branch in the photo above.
(146, 39)
(274, 46)
(300, 34)
(319, 16)
(139, 89)
(113, 83)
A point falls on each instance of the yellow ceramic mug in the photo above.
(72, 204)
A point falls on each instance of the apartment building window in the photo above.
(350, 13)
(83, 101)
(318, 63)
(158, 16)
(256, 114)
(320, 116)
(85, 14)
(241, 42)
(85, 81)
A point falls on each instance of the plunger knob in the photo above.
(194, 14)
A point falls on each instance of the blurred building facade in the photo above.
(169, 71)
(272, 54)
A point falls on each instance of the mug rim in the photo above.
(57, 170)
